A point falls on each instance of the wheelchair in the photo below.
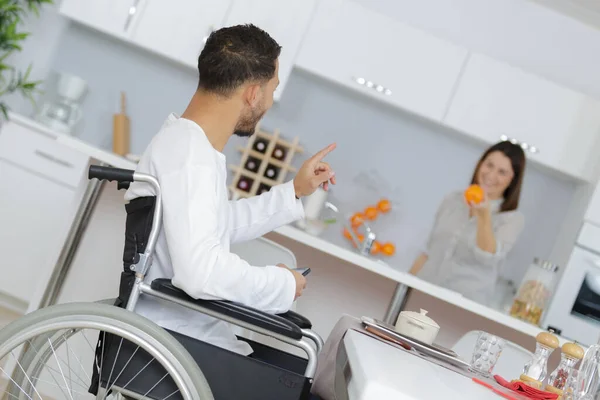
(120, 354)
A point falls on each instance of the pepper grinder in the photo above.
(570, 356)
(536, 369)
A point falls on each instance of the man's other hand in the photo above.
(299, 278)
(314, 173)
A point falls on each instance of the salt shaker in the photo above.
(570, 356)
(536, 369)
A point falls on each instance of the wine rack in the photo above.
(266, 162)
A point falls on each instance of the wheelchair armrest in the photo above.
(270, 322)
(297, 319)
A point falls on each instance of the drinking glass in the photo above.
(486, 353)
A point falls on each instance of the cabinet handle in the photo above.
(371, 85)
(524, 145)
(53, 159)
(132, 11)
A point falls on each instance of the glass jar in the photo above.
(536, 369)
(570, 356)
(535, 292)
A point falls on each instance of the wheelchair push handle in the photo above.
(110, 174)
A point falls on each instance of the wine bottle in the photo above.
(245, 183)
(279, 152)
(263, 188)
(272, 172)
(260, 145)
(252, 164)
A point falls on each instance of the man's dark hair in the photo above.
(235, 55)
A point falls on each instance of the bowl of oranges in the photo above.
(371, 213)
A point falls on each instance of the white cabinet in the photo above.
(592, 214)
(286, 21)
(38, 179)
(495, 99)
(110, 16)
(377, 55)
(177, 29)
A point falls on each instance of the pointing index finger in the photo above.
(321, 154)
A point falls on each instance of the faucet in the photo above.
(364, 248)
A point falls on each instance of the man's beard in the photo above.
(246, 126)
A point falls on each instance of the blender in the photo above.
(61, 107)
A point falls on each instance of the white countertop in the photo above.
(380, 371)
(381, 268)
(93, 152)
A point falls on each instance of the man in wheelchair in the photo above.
(238, 73)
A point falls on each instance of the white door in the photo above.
(110, 16)
(32, 213)
(381, 57)
(286, 21)
(177, 29)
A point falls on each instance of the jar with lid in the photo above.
(570, 356)
(536, 369)
(535, 291)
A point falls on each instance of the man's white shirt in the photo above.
(199, 224)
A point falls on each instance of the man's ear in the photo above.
(252, 94)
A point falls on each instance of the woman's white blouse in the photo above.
(454, 259)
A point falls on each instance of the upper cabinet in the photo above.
(177, 29)
(558, 127)
(286, 21)
(109, 16)
(381, 57)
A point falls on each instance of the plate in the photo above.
(435, 351)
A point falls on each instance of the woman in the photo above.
(469, 242)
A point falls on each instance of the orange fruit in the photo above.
(357, 219)
(388, 249)
(347, 234)
(376, 248)
(384, 205)
(371, 213)
(474, 194)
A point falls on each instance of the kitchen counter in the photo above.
(383, 269)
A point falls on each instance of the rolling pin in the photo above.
(121, 130)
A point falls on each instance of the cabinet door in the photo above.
(32, 213)
(285, 21)
(177, 29)
(382, 57)
(110, 16)
(556, 125)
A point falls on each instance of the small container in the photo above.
(417, 326)
(535, 292)
(536, 369)
(570, 356)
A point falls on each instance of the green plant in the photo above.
(12, 13)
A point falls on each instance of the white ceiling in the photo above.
(587, 11)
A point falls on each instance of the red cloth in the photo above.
(526, 390)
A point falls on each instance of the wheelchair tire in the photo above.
(41, 324)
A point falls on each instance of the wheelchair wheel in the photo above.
(92, 350)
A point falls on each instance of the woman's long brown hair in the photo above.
(516, 156)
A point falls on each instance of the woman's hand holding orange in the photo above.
(477, 201)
